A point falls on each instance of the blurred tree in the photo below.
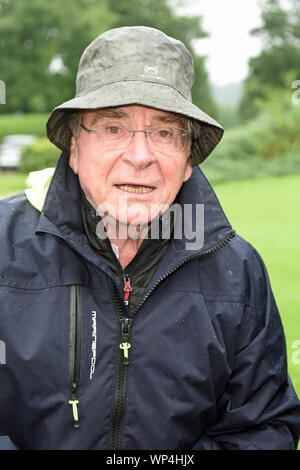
(280, 23)
(280, 31)
(41, 43)
(40, 46)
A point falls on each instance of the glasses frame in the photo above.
(184, 133)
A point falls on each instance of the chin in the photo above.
(134, 220)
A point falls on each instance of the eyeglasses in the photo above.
(117, 136)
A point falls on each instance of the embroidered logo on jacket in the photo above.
(94, 344)
(2, 352)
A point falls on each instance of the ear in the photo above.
(188, 170)
(73, 159)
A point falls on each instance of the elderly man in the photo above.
(118, 336)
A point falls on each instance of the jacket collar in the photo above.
(202, 213)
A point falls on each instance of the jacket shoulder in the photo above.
(17, 212)
(17, 229)
(252, 275)
(235, 273)
(242, 251)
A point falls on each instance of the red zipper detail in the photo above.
(127, 289)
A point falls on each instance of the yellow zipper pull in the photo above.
(125, 347)
(74, 404)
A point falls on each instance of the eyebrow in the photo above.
(109, 113)
(171, 118)
(119, 114)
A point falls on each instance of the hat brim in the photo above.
(146, 93)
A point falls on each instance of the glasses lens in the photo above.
(117, 136)
(168, 137)
(112, 133)
(112, 136)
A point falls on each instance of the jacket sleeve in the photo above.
(259, 409)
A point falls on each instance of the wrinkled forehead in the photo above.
(130, 112)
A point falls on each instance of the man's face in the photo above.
(131, 182)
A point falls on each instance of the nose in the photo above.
(138, 152)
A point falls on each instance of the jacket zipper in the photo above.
(75, 350)
(120, 388)
(125, 324)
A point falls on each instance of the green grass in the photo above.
(11, 182)
(267, 213)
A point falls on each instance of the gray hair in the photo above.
(74, 122)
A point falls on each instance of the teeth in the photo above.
(136, 189)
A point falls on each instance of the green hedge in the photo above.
(42, 154)
(269, 145)
(220, 169)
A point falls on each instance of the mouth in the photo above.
(135, 188)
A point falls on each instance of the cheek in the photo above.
(94, 177)
(174, 174)
(88, 177)
(86, 164)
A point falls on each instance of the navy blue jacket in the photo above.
(202, 362)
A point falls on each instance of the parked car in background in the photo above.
(11, 148)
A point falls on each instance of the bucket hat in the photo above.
(136, 65)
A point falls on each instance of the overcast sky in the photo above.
(229, 45)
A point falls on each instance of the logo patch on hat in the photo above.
(150, 71)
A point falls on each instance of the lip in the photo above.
(135, 184)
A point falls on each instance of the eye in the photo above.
(113, 130)
(164, 133)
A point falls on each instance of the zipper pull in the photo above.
(74, 402)
(127, 288)
(125, 345)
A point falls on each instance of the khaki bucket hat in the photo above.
(136, 65)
